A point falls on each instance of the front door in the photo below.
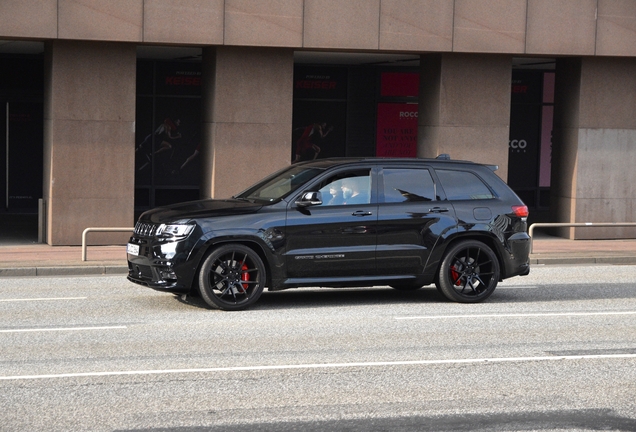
(337, 238)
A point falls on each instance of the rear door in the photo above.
(412, 215)
(337, 238)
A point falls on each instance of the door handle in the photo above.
(361, 213)
(437, 210)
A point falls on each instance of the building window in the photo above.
(167, 133)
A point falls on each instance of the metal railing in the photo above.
(578, 224)
(87, 230)
(530, 230)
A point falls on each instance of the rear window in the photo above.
(463, 185)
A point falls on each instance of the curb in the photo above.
(63, 270)
(562, 260)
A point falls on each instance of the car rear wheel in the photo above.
(232, 277)
(469, 272)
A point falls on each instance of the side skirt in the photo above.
(353, 281)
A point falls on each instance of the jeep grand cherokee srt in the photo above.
(340, 222)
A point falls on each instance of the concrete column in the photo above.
(89, 155)
(247, 116)
(464, 108)
(594, 145)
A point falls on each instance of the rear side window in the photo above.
(463, 185)
(408, 185)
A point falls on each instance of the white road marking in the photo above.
(53, 329)
(43, 299)
(500, 287)
(320, 366)
(526, 315)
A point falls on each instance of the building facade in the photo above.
(114, 106)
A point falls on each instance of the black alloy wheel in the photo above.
(232, 277)
(469, 272)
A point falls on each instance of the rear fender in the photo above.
(435, 260)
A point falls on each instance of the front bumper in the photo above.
(160, 278)
(160, 266)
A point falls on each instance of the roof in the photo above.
(331, 162)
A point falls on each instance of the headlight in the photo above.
(176, 230)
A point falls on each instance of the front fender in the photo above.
(264, 242)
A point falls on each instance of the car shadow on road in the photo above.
(346, 297)
(332, 297)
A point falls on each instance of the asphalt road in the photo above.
(555, 350)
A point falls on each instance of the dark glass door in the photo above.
(21, 148)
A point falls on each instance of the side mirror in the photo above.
(309, 199)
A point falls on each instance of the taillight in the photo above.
(520, 211)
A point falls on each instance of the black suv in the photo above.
(346, 222)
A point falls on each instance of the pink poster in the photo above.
(545, 162)
(547, 115)
(397, 130)
(400, 84)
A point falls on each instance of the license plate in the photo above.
(132, 249)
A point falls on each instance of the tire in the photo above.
(469, 272)
(232, 277)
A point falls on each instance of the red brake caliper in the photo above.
(455, 276)
(245, 276)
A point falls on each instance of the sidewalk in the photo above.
(556, 250)
(45, 260)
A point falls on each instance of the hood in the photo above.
(197, 209)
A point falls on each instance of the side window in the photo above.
(351, 187)
(408, 185)
(463, 185)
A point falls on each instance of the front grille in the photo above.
(145, 229)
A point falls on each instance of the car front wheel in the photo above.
(232, 277)
(469, 272)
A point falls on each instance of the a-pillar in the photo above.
(247, 116)
(594, 146)
(89, 140)
(464, 108)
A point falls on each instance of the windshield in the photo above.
(280, 184)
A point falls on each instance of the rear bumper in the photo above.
(518, 262)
